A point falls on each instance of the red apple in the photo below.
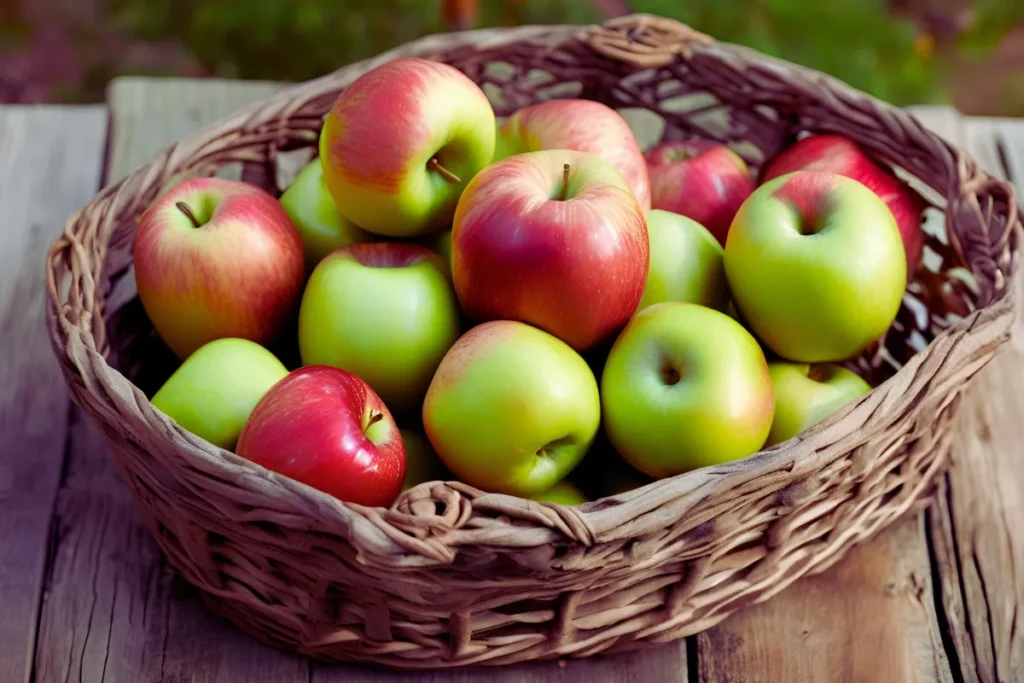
(699, 179)
(217, 258)
(554, 239)
(326, 428)
(400, 144)
(840, 155)
(583, 126)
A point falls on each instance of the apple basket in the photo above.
(450, 575)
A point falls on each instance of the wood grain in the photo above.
(869, 618)
(49, 167)
(114, 611)
(974, 529)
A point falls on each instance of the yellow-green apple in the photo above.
(815, 266)
(511, 409)
(839, 154)
(562, 493)
(217, 258)
(700, 179)
(583, 126)
(321, 226)
(686, 263)
(402, 141)
(421, 462)
(384, 311)
(806, 394)
(212, 393)
(326, 428)
(554, 239)
(685, 386)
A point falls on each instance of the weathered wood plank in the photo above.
(662, 664)
(114, 611)
(150, 113)
(49, 166)
(869, 618)
(973, 529)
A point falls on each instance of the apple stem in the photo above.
(565, 181)
(445, 173)
(374, 419)
(184, 208)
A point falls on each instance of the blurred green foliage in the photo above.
(859, 41)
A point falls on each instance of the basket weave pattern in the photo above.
(450, 575)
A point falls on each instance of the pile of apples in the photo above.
(478, 301)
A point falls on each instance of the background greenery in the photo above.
(903, 51)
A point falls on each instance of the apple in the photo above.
(400, 144)
(217, 258)
(839, 154)
(685, 386)
(815, 266)
(554, 239)
(421, 462)
(562, 493)
(685, 264)
(322, 228)
(213, 392)
(326, 428)
(384, 311)
(700, 179)
(806, 394)
(441, 243)
(511, 409)
(583, 126)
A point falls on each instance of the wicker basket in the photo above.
(449, 575)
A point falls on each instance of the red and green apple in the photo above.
(700, 179)
(400, 144)
(326, 428)
(815, 266)
(554, 239)
(217, 258)
(583, 126)
(511, 409)
(838, 154)
(685, 387)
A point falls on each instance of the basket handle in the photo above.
(645, 41)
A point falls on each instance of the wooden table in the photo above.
(86, 596)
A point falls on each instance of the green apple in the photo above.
(684, 387)
(686, 263)
(562, 493)
(421, 462)
(384, 311)
(806, 394)
(816, 266)
(213, 392)
(321, 226)
(511, 409)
